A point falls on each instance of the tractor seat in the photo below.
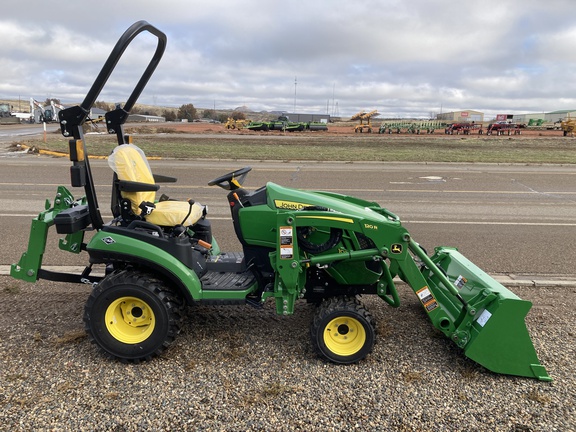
(134, 181)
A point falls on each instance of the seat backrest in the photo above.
(129, 163)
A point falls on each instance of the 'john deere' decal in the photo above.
(290, 205)
(396, 248)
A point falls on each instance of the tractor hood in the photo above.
(284, 198)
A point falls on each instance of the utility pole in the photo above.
(295, 84)
(333, 97)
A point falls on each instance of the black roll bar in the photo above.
(71, 119)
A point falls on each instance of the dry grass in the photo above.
(71, 337)
(310, 146)
(536, 396)
(12, 287)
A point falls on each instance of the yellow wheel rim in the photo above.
(344, 336)
(130, 320)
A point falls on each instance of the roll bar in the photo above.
(74, 117)
(71, 119)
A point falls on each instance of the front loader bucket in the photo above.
(482, 316)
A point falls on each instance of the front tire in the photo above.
(132, 316)
(342, 330)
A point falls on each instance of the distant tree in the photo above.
(136, 109)
(238, 115)
(222, 118)
(49, 100)
(103, 105)
(169, 115)
(187, 112)
(209, 113)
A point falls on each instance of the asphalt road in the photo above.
(508, 219)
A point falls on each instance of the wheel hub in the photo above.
(344, 336)
(130, 320)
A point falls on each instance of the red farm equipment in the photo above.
(503, 128)
(463, 128)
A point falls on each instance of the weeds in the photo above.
(12, 288)
(70, 337)
(384, 329)
(536, 396)
(413, 376)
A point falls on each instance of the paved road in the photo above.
(507, 219)
(9, 133)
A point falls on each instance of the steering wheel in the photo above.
(231, 181)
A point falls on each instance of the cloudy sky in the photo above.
(401, 57)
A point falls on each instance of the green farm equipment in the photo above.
(158, 256)
(258, 126)
(283, 123)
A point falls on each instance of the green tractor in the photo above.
(159, 256)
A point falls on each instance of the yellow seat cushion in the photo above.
(171, 213)
(130, 164)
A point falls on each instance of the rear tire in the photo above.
(342, 330)
(132, 316)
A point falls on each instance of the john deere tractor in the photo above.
(159, 255)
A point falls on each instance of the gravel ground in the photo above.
(238, 368)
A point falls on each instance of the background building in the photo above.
(550, 117)
(145, 118)
(461, 116)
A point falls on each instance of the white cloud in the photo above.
(402, 58)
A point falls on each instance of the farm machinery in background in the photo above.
(568, 126)
(45, 114)
(364, 116)
(283, 123)
(542, 124)
(503, 128)
(6, 115)
(238, 124)
(464, 128)
(409, 126)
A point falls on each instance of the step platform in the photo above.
(227, 272)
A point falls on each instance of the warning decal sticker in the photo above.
(286, 242)
(427, 299)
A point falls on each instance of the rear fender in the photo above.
(114, 247)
